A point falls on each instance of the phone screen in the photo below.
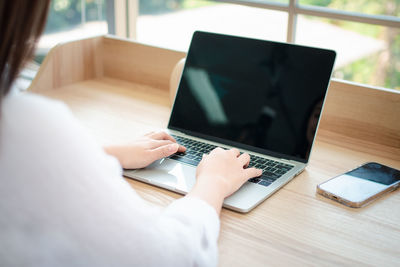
(363, 182)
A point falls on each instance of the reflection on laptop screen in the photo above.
(248, 92)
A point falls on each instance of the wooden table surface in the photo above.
(295, 226)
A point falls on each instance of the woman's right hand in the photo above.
(220, 174)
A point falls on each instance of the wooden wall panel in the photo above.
(68, 63)
(363, 112)
(138, 63)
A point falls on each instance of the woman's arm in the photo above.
(219, 174)
(142, 152)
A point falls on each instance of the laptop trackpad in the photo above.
(169, 173)
(178, 177)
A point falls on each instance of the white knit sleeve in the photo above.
(189, 227)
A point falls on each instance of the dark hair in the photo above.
(21, 24)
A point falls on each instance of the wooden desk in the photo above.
(119, 90)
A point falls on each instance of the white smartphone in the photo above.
(360, 186)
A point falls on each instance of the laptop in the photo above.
(264, 98)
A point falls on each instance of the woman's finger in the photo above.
(181, 148)
(235, 151)
(252, 172)
(149, 133)
(244, 159)
(162, 136)
(157, 143)
(164, 151)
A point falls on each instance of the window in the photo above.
(72, 19)
(365, 33)
(67, 20)
(171, 23)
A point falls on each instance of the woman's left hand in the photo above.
(144, 151)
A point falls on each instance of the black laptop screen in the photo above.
(254, 94)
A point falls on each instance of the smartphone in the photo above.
(360, 186)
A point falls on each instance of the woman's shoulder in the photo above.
(26, 104)
(37, 129)
(38, 115)
(36, 123)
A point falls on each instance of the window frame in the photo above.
(121, 17)
(293, 8)
(125, 18)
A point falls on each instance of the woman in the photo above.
(63, 201)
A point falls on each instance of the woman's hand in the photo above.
(220, 174)
(146, 150)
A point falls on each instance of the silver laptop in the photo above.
(264, 98)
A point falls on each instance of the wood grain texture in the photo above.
(294, 226)
(128, 110)
(363, 112)
(138, 63)
(106, 56)
(68, 63)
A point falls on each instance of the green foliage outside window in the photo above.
(159, 6)
(67, 14)
(382, 68)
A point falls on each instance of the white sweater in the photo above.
(63, 201)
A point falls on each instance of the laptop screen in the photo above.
(253, 94)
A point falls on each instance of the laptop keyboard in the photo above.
(272, 169)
